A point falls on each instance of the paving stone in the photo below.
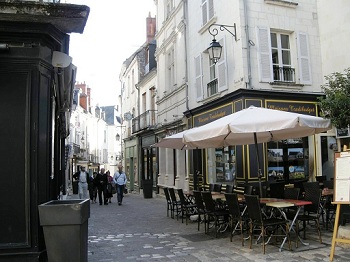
(139, 230)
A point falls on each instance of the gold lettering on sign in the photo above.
(310, 110)
(278, 107)
(211, 117)
(216, 115)
(302, 109)
(203, 119)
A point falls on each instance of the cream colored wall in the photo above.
(333, 17)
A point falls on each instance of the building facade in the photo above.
(271, 53)
(36, 100)
(139, 110)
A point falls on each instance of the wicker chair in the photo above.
(266, 225)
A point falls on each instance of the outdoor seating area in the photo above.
(286, 218)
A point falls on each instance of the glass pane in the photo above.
(273, 40)
(328, 147)
(225, 165)
(286, 57)
(212, 72)
(275, 160)
(285, 41)
(288, 160)
(275, 56)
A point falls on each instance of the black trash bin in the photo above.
(65, 224)
(147, 185)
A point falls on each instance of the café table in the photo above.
(280, 204)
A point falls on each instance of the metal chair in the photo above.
(217, 188)
(211, 187)
(248, 189)
(328, 184)
(200, 208)
(277, 190)
(291, 193)
(187, 208)
(266, 225)
(219, 216)
(176, 204)
(235, 214)
(311, 212)
(169, 204)
(229, 188)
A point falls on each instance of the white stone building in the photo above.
(271, 56)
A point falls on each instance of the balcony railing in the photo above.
(212, 87)
(144, 121)
(283, 74)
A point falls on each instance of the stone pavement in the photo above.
(139, 230)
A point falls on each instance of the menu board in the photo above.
(342, 178)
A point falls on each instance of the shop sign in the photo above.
(343, 132)
(148, 141)
(295, 107)
(212, 115)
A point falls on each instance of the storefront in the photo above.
(149, 159)
(131, 163)
(288, 161)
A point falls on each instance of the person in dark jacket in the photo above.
(93, 188)
(102, 182)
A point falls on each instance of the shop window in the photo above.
(222, 165)
(288, 160)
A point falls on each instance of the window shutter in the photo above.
(304, 59)
(264, 55)
(211, 9)
(222, 68)
(204, 12)
(198, 81)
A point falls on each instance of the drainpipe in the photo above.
(185, 12)
(248, 43)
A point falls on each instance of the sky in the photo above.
(114, 30)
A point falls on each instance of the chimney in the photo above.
(150, 27)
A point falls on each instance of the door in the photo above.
(328, 145)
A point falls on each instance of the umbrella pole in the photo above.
(258, 160)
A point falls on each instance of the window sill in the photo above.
(284, 3)
(210, 98)
(286, 85)
(207, 25)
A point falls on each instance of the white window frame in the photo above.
(169, 7)
(222, 67)
(198, 77)
(171, 68)
(304, 59)
(280, 50)
(265, 56)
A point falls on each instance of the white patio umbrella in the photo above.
(174, 141)
(255, 125)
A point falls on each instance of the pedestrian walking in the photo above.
(120, 182)
(83, 177)
(109, 186)
(102, 181)
(93, 188)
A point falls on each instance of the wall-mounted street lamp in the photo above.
(119, 137)
(215, 48)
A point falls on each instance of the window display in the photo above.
(288, 159)
(225, 165)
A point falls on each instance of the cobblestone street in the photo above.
(139, 230)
